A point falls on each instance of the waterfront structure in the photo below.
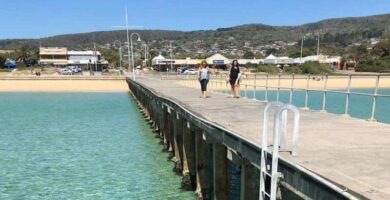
(217, 61)
(271, 59)
(57, 56)
(86, 58)
(333, 162)
(333, 61)
(61, 57)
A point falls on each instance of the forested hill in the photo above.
(342, 31)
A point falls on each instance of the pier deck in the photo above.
(352, 153)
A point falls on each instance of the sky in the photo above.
(43, 18)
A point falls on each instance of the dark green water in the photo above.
(359, 106)
(80, 146)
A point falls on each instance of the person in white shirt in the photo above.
(203, 76)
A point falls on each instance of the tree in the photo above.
(34, 57)
(271, 51)
(357, 53)
(248, 55)
(297, 53)
(249, 65)
(2, 60)
(23, 55)
(381, 49)
(112, 56)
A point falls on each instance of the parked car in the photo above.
(190, 71)
(65, 71)
(75, 69)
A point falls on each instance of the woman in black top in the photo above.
(234, 79)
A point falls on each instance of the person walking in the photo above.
(234, 79)
(203, 76)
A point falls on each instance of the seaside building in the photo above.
(61, 57)
(333, 61)
(85, 59)
(57, 56)
(217, 61)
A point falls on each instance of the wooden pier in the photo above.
(339, 157)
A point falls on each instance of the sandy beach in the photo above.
(29, 84)
(63, 86)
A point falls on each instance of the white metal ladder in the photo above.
(279, 135)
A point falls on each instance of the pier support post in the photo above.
(202, 184)
(220, 171)
(189, 162)
(165, 129)
(177, 137)
(170, 137)
(250, 181)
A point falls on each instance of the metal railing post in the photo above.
(227, 87)
(372, 118)
(211, 84)
(277, 94)
(307, 92)
(266, 89)
(254, 88)
(221, 84)
(325, 93)
(246, 88)
(347, 97)
(292, 87)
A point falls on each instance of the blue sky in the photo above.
(42, 18)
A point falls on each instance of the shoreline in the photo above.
(63, 86)
(118, 84)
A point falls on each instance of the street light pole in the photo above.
(132, 51)
(300, 60)
(318, 44)
(128, 43)
(120, 55)
(170, 47)
(146, 54)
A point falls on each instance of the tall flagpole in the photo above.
(128, 44)
(300, 60)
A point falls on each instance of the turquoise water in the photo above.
(359, 106)
(80, 146)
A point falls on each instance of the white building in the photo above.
(85, 58)
(62, 57)
(215, 61)
(324, 59)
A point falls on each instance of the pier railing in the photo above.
(252, 84)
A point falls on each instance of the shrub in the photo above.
(315, 68)
(268, 69)
(292, 70)
(374, 65)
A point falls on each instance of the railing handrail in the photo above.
(261, 82)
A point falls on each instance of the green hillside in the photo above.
(336, 33)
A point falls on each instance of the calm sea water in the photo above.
(80, 146)
(359, 106)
